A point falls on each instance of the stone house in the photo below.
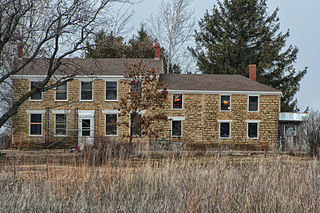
(226, 110)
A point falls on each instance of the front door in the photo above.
(86, 127)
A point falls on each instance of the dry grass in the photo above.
(61, 183)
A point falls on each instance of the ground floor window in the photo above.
(136, 120)
(111, 124)
(224, 129)
(252, 130)
(35, 124)
(176, 128)
(61, 125)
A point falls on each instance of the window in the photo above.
(177, 101)
(35, 124)
(136, 119)
(111, 124)
(224, 129)
(253, 103)
(136, 88)
(86, 91)
(176, 128)
(61, 125)
(61, 92)
(37, 96)
(111, 91)
(290, 130)
(225, 103)
(252, 130)
(85, 127)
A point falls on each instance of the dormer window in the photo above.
(177, 101)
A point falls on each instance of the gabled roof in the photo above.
(87, 66)
(214, 82)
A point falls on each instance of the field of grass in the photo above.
(55, 181)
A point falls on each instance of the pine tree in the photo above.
(242, 32)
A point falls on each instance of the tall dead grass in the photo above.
(184, 184)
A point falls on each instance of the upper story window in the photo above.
(253, 104)
(111, 91)
(136, 89)
(177, 101)
(225, 103)
(61, 125)
(61, 92)
(37, 96)
(36, 124)
(86, 91)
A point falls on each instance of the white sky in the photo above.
(300, 17)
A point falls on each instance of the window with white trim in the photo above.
(86, 90)
(111, 90)
(60, 124)
(61, 92)
(176, 126)
(253, 130)
(224, 130)
(225, 103)
(177, 101)
(35, 124)
(37, 96)
(111, 124)
(253, 103)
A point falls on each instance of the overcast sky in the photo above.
(300, 17)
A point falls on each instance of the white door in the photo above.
(86, 127)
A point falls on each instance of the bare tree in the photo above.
(53, 30)
(310, 134)
(147, 95)
(173, 26)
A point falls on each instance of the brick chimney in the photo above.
(20, 50)
(157, 51)
(252, 71)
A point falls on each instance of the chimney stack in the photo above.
(157, 51)
(252, 71)
(20, 50)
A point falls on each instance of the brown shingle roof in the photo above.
(213, 82)
(88, 66)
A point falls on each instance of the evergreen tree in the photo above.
(242, 32)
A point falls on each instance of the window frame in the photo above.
(290, 125)
(258, 96)
(228, 122)
(105, 122)
(228, 110)
(55, 124)
(172, 105)
(117, 89)
(92, 89)
(41, 93)
(55, 94)
(258, 127)
(30, 123)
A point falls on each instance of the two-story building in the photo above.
(227, 110)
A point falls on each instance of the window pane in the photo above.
(35, 118)
(290, 130)
(253, 103)
(37, 96)
(61, 132)
(177, 101)
(225, 102)
(252, 130)
(224, 130)
(86, 95)
(62, 86)
(60, 118)
(111, 90)
(35, 129)
(86, 85)
(61, 95)
(176, 128)
(111, 124)
(61, 124)
(86, 127)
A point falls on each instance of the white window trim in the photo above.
(41, 123)
(87, 80)
(105, 84)
(258, 102)
(176, 118)
(55, 94)
(35, 111)
(181, 99)
(55, 119)
(225, 121)
(38, 100)
(229, 110)
(110, 111)
(175, 136)
(105, 123)
(258, 127)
